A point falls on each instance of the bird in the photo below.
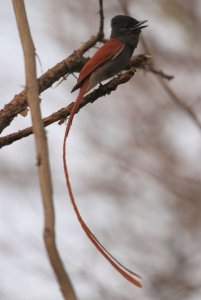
(109, 60)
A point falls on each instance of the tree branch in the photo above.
(32, 91)
(19, 103)
(69, 65)
(139, 62)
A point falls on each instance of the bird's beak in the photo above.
(139, 25)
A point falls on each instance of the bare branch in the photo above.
(19, 103)
(179, 103)
(172, 94)
(32, 91)
(160, 73)
(69, 65)
(101, 13)
(139, 62)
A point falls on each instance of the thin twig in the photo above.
(160, 73)
(43, 164)
(180, 104)
(172, 95)
(101, 13)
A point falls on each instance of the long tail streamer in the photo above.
(125, 272)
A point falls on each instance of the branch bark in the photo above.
(71, 64)
(32, 91)
(138, 62)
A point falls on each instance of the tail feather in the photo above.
(125, 272)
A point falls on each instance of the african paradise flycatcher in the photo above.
(109, 60)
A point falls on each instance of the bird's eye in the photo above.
(126, 27)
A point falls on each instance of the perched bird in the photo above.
(109, 60)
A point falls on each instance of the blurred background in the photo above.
(134, 160)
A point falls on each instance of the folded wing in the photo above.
(108, 51)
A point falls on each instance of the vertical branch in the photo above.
(101, 13)
(41, 149)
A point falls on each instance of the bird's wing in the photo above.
(108, 51)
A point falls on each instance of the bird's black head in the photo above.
(125, 25)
